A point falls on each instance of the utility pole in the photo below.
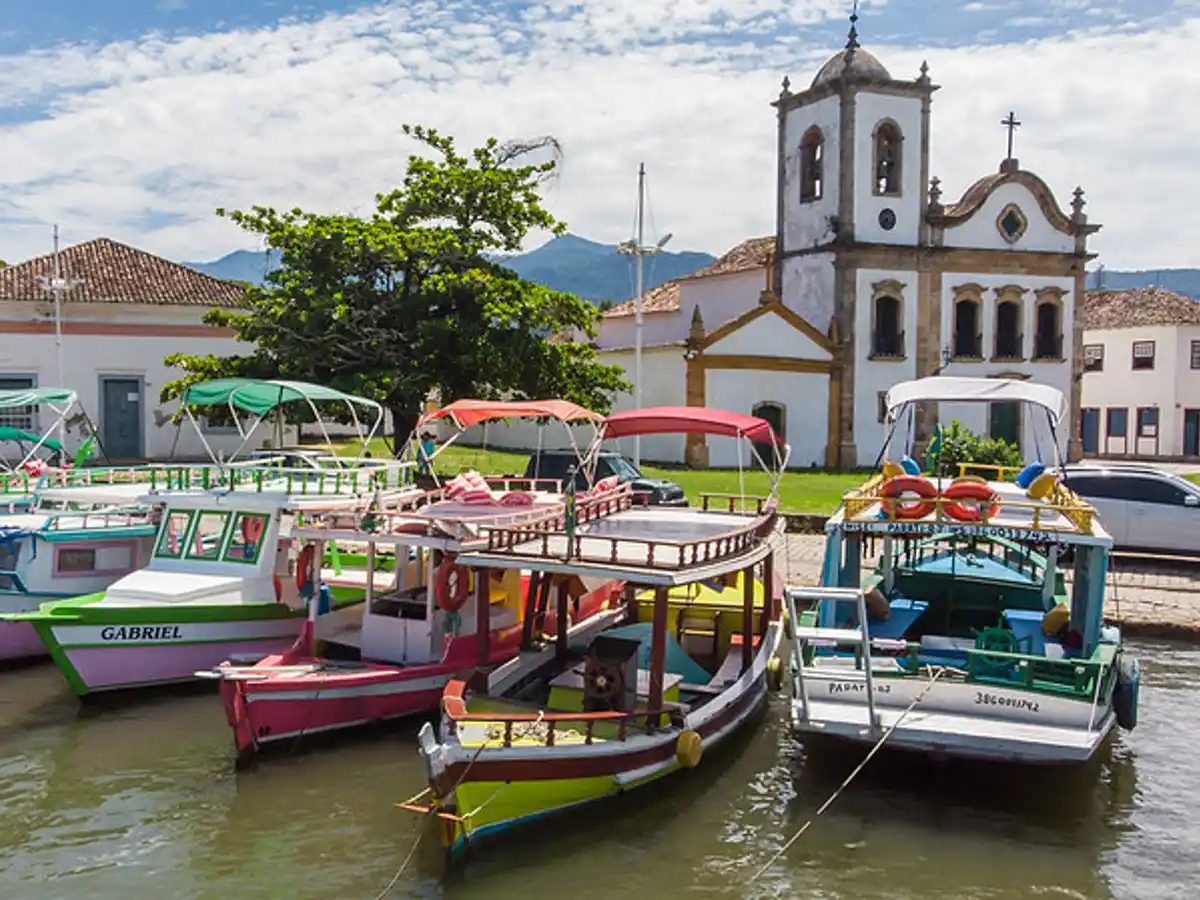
(58, 285)
(638, 249)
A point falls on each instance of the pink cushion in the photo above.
(517, 498)
(606, 484)
(477, 496)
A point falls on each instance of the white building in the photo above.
(869, 280)
(127, 311)
(1141, 375)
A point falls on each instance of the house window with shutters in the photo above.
(1143, 355)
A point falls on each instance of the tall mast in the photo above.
(637, 306)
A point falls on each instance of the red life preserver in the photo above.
(908, 484)
(969, 490)
(252, 529)
(451, 597)
(304, 565)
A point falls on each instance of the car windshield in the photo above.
(619, 465)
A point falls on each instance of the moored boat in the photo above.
(980, 634)
(392, 654)
(667, 678)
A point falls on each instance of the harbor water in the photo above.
(140, 799)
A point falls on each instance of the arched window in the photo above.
(1008, 330)
(887, 158)
(967, 339)
(1047, 341)
(888, 337)
(775, 414)
(812, 163)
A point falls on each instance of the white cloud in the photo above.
(141, 140)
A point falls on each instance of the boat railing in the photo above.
(989, 471)
(96, 520)
(1044, 515)
(525, 726)
(547, 537)
(733, 502)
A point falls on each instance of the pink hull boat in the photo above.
(19, 641)
(293, 694)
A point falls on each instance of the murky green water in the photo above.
(141, 800)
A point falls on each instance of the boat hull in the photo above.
(954, 719)
(162, 646)
(491, 791)
(285, 702)
(20, 641)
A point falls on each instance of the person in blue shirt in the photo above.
(425, 454)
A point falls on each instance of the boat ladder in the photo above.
(816, 636)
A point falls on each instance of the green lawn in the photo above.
(1193, 477)
(814, 491)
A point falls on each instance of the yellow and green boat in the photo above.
(625, 699)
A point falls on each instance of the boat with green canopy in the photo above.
(37, 452)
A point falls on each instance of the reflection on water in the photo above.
(142, 797)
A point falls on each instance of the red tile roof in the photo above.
(1139, 307)
(754, 253)
(112, 272)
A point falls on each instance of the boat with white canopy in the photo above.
(980, 631)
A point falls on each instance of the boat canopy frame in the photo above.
(706, 421)
(902, 400)
(464, 414)
(261, 397)
(60, 401)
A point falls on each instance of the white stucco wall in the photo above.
(1172, 386)
(905, 112)
(807, 224)
(657, 328)
(873, 377)
(89, 357)
(804, 397)
(807, 288)
(980, 231)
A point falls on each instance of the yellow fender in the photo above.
(775, 673)
(688, 749)
(1042, 486)
(892, 469)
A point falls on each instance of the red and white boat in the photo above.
(393, 654)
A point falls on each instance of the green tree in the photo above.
(961, 445)
(408, 300)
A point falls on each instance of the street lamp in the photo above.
(58, 284)
(638, 250)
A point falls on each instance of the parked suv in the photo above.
(555, 463)
(1142, 507)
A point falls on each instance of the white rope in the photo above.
(849, 778)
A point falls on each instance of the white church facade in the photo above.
(869, 280)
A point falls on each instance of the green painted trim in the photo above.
(187, 530)
(238, 519)
(227, 517)
(95, 534)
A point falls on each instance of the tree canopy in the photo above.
(410, 299)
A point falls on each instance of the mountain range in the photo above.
(598, 273)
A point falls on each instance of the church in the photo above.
(871, 278)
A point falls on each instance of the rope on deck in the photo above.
(849, 778)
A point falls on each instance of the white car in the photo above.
(1142, 507)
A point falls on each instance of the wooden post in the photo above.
(747, 617)
(770, 601)
(560, 618)
(658, 656)
(483, 617)
(543, 604)
(535, 579)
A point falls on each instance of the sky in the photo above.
(136, 119)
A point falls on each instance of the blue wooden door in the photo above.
(1089, 430)
(121, 418)
(1191, 432)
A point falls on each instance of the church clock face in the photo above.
(887, 219)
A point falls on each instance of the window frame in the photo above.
(184, 534)
(1135, 357)
(240, 516)
(886, 127)
(1194, 354)
(812, 160)
(1099, 358)
(226, 516)
(1140, 429)
(1108, 417)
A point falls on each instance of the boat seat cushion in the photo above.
(1027, 475)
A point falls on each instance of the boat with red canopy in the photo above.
(392, 654)
(674, 671)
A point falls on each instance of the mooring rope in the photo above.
(849, 778)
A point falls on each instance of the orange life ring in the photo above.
(969, 490)
(252, 529)
(451, 597)
(304, 565)
(278, 587)
(908, 484)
